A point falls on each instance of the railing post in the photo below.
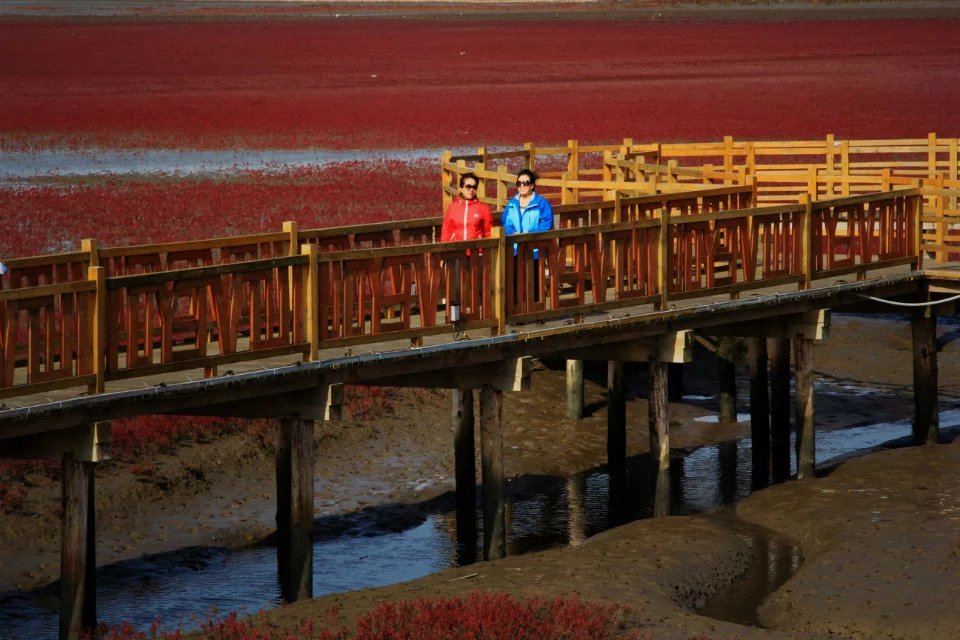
(445, 178)
(672, 171)
(567, 195)
(663, 254)
(806, 242)
(481, 166)
(931, 154)
(531, 150)
(607, 176)
(98, 329)
(828, 160)
(952, 165)
(727, 157)
(293, 242)
(502, 186)
(940, 226)
(573, 166)
(812, 187)
(311, 299)
(499, 293)
(917, 211)
(845, 165)
(89, 245)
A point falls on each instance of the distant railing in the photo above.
(781, 171)
(394, 282)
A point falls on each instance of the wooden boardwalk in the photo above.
(644, 253)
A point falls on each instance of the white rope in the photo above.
(910, 304)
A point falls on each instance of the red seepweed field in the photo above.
(386, 83)
(439, 82)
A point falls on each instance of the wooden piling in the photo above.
(727, 380)
(575, 389)
(926, 421)
(616, 418)
(660, 436)
(295, 496)
(759, 412)
(778, 350)
(806, 433)
(491, 466)
(616, 441)
(78, 603)
(465, 466)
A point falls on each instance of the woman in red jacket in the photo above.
(466, 218)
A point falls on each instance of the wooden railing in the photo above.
(781, 171)
(643, 250)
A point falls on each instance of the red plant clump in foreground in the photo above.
(480, 616)
(382, 83)
(54, 218)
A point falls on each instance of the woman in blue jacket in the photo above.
(528, 211)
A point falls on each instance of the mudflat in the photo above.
(878, 534)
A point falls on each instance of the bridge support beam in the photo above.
(295, 495)
(78, 604)
(806, 431)
(575, 389)
(465, 465)
(926, 421)
(779, 353)
(660, 436)
(759, 412)
(491, 466)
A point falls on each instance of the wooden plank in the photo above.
(193, 245)
(209, 361)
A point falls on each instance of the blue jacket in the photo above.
(537, 216)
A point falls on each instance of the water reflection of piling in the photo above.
(576, 509)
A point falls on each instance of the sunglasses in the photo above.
(468, 186)
(524, 183)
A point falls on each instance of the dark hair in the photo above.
(529, 173)
(469, 175)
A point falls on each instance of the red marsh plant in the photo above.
(54, 217)
(479, 616)
(406, 83)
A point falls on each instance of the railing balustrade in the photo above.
(215, 310)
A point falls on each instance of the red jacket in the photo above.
(466, 220)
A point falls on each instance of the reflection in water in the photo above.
(377, 546)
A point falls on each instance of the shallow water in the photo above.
(373, 547)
